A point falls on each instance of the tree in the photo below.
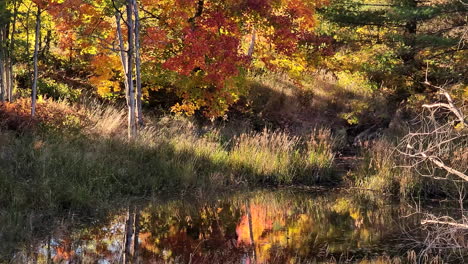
(127, 57)
(130, 51)
(414, 32)
(199, 45)
(36, 52)
(139, 110)
(8, 15)
(196, 50)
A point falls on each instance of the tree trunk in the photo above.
(123, 56)
(136, 235)
(3, 56)
(2, 73)
(128, 237)
(131, 89)
(36, 51)
(252, 44)
(251, 234)
(411, 28)
(6, 72)
(11, 85)
(138, 65)
(6, 59)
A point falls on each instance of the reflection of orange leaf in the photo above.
(64, 252)
(147, 243)
(261, 222)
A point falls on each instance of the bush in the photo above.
(51, 89)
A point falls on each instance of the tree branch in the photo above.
(427, 221)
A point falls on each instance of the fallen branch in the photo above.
(426, 222)
(441, 165)
(450, 105)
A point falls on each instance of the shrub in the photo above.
(51, 89)
(50, 116)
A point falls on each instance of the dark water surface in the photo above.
(272, 226)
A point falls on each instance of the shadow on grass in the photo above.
(42, 177)
(277, 101)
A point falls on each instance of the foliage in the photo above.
(394, 41)
(106, 79)
(201, 57)
(49, 88)
(51, 115)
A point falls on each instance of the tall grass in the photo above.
(39, 169)
(377, 170)
(278, 157)
(383, 169)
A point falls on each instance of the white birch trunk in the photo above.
(36, 51)
(11, 77)
(252, 43)
(123, 56)
(2, 76)
(131, 88)
(138, 66)
(3, 55)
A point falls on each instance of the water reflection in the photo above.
(258, 227)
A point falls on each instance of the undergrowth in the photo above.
(70, 157)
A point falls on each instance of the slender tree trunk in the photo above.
(138, 66)
(11, 85)
(36, 51)
(6, 70)
(3, 56)
(128, 237)
(252, 43)
(131, 88)
(251, 234)
(2, 72)
(6, 59)
(411, 28)
(123, 56)
(11, 77)
(136, 234)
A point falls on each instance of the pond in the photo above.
(261, 226)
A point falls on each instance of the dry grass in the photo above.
(317, 99)
(97, 161)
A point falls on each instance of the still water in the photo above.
(267, 226)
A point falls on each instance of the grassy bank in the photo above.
(79, 157)
(75, 158)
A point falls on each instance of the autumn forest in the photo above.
(233, 131)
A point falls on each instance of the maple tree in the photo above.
(203, 44)
(198, 50)
(194, 49)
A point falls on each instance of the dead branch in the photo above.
(448, 223)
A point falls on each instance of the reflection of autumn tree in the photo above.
(284, 226)
(177, 229)
(304, 227)
(100, 242)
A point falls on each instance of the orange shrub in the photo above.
(17, 116)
